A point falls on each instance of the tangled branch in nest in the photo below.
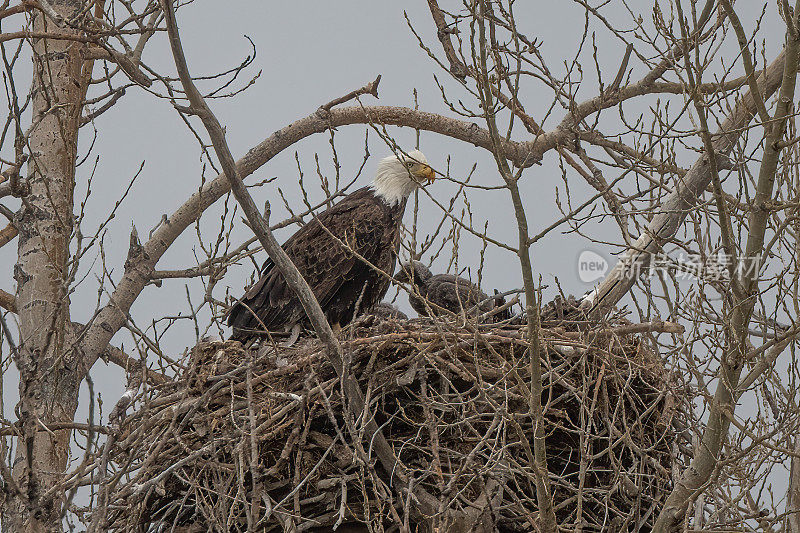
(240, 443)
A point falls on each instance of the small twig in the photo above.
(457, 67)
(105, 107)
(749, 69)
(645, 327)
(622, 69)
(370, 88)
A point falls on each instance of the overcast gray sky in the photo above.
(310, 52)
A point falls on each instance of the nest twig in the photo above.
(258, 440)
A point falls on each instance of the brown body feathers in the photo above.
(323, 252)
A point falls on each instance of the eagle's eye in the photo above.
(410, 164)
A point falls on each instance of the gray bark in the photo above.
(48, 377)
(793, 494)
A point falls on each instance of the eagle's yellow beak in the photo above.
(428, 173)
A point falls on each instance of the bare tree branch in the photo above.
(370, 88)
(793, 493)
(7, 301)
(140, 268)
(675, 207)
(707, 455)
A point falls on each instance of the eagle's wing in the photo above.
(327, 262)
(324, 260)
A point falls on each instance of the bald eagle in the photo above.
(346, 254)
(446, 291)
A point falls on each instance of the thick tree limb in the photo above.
(793, 494)
(10, 36)
(128, 65)
(8, 301)
(132, 365)
(139, 268)
(675, 207)
(19, 8)
(112, 353)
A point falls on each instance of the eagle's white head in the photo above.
(398, 176)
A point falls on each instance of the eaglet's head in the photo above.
(415, 271)
(400, 175)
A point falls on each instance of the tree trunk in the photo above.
(49, 371)
(793, 495)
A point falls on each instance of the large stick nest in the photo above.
(259, 439)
